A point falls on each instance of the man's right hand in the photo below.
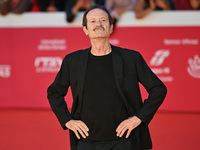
(78, 126)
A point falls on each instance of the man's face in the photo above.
(98, 25)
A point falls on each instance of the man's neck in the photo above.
(100, 47)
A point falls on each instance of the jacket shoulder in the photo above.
(126, 51)
(76, 54)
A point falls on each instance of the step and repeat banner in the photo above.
(30, 57)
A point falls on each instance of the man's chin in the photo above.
(100, 37)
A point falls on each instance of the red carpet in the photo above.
(39, 130)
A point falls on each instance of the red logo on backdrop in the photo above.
(159, 57)
(47, 64)
(52, 44)
(181, 41)
(156, 61)
(5, 71)
(194, 66)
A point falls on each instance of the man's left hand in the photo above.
(128, 124)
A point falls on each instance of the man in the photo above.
(145, 7)
(107, 111)
(118, 7)
(73, 6)
(14, 6)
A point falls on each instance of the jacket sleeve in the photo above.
(154, 86)
(56, 93)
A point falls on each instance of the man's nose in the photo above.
(98, 23)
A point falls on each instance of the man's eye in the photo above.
(92, 21)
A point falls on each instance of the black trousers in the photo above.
(121, 144)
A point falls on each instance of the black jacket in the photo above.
(129, 69)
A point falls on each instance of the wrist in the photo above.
(138, 119)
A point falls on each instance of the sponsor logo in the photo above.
(194, 67)
(159, 57)
(157, 60)
(5, 71)
(47, 64)
(52, 44)
(181, 41)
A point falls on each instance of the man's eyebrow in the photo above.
(95, 18)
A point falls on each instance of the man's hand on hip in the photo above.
(78, 126)
(128, 124)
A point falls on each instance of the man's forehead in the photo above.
(97, 13)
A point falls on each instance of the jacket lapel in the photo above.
(119, 73)
(117, 66)
(82, 68)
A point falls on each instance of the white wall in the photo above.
(57, 19)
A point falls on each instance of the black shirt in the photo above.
(102, 109)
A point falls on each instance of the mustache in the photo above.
(98, 28)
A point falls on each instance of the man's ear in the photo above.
(111, 28)
(85, 30)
